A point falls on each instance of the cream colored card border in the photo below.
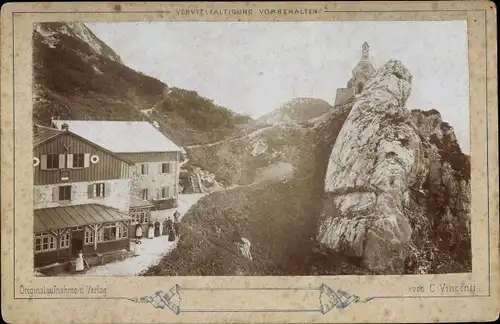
(247, 299)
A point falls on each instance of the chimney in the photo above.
(65, 127)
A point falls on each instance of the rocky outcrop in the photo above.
(440, 211)
(374, 161)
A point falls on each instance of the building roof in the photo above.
(72, 216)
(137, 202)
(42, 133)
(121, 136)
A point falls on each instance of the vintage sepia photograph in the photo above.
(307, 148)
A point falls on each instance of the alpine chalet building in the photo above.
(80, 196)
(155, 158)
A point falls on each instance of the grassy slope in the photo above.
(278, 219)
(74, 82)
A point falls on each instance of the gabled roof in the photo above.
(73, 216)
(44, 134)
(121, 136)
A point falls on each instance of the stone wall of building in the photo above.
(154, 180)
(117, 195)
(343, 95)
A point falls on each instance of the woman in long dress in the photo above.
(161, 228)
(171, 234)
(177, 229)
(165, 227)
(79, 266)
(151, 233)
(138, 231)
(157, 228)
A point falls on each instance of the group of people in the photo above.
(167, 227)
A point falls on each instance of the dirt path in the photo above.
(151, 250)
(231, 140)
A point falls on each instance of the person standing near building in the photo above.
(151, 233)
(177, 223)
(138, 231)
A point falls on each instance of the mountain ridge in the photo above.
(298, 109)
(77, 76)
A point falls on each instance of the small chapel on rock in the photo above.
(360, 74)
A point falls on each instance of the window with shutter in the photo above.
(52, 161)
(65, 193)
(144, 169)
(78, 160)
(165, 192)
(90, 191)
(99, 190)
(165, 168)
(145, 194)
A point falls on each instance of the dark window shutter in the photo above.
(90, 191)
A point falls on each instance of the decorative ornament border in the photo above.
(328, 299)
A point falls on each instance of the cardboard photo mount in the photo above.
(408, 298)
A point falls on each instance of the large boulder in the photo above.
(374, 161)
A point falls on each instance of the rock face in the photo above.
(373, 162)
(440, 201)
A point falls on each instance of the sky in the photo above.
(254, 67)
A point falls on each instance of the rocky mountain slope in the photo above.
(383, 190)
(297, 110)
(272, 152)
(77, 76)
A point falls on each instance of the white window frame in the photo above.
(137, 214)
(39, 241)
(164, 192)
(121, 232)
(64, 241)
(144, 167)
(100, 193)
(88, 236)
